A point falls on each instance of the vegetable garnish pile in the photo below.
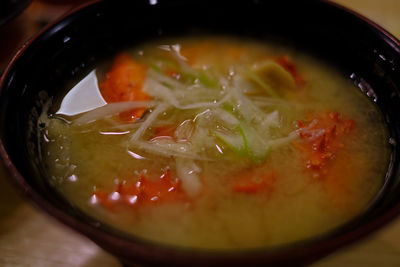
(173, 108)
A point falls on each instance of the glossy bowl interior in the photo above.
(71, 47)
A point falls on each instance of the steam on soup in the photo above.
(217, 144)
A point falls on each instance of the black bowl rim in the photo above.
(142, 251)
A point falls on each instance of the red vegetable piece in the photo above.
(321, 139)
(163, 189)
(165, 130)
(124, 82)
(142, 192)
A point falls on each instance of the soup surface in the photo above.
(216, 143)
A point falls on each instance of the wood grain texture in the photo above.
(30, 238)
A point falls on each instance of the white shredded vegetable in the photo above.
(168, 150)
(147, 123)
(188, 173)
(111, 109)
(156, 88)
(210, 114)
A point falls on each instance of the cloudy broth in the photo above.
(216, 143)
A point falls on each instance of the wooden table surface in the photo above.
(29, 237)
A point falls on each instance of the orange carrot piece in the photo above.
(124, 82)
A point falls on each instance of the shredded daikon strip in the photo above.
(133, 126)
(167, 151)
(181, 60)
(184, 130)
(111, 109)
(242, 103)
(227, 118)
(151, 74)
(205, 104)
(125, 126)
(314, 133)
(245, 107)
(284, 140)
(149, 120)
(188, 173)
(158, 90)
(252, 113)
(271, 119)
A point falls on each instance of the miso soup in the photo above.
(216, 143)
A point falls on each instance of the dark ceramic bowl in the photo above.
(71, 47)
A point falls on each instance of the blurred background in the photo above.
(30, 238)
